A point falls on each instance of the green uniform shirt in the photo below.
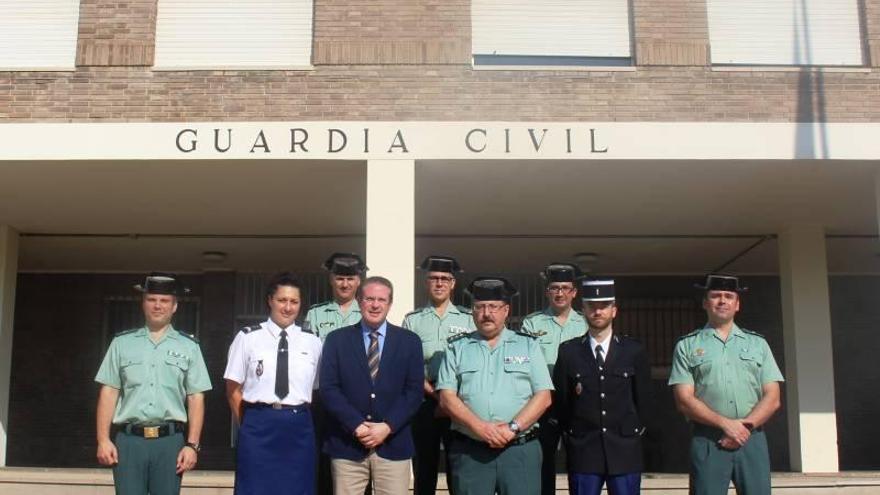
(435, 330)
(727, 376)
(327, 316)
(494, 383)
(153, 379)
(550, 333)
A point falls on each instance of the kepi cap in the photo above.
(597, 290)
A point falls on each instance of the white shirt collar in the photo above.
(605, 343)
(275, 330)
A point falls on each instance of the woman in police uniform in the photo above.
(270, 376)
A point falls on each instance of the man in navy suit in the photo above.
(371, 384)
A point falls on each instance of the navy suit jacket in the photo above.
(350, 397)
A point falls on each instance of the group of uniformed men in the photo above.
(498, 400)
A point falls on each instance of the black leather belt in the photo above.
(153, 431)
(275, 405)
(520, 440)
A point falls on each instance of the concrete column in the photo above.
(809, 365)
(391, 229)
(8, 273)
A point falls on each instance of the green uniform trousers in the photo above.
(713, 468)
(478, 469)
(147, 465)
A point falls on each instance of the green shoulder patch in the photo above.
(465, 309)
(126, 332)
(413, 312)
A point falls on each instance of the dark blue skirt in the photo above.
(276, 452)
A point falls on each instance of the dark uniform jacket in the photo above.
(602, 419)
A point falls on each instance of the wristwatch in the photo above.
(514, 426)
(195, 446)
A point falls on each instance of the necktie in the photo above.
(282, 386)
(373, 355)
(600, 359)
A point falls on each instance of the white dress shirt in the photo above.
(252, 363)
(605, 344)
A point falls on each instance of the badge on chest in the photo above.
(260, 367)
(516, 359)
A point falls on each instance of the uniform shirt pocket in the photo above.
(133, 371)
(751, 365)
(518, 375)
(468, 379)
(257, 367)
(175, 368)
(701, 369)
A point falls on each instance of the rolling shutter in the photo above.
(38, 34)
(212, 34)
(571, 28)
(785, 32)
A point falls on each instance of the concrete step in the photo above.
(56, 481)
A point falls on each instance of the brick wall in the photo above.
(670, 32)
(116, 33)
(409, 60)
(436, 93)
(392, 32)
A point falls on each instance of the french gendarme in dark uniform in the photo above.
(601, 401)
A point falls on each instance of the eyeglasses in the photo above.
(553, 289)
(440, 280)
(488, 307)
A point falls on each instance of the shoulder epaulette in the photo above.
(536, 313)
(692, 334)
(306, 327)
(126, 332)
(319, 305)
(251, 328)
(750, 332)
(458, 336)
(189, 336)
(530, 334)
(465, 309)
(415, 311)
(581, 313)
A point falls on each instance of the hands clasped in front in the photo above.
(735, 435)
(497, 435)
(372, 435)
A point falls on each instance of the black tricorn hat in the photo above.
(491, 289)
(435, 263)
(720, 281)
(161, 283)
(345, 264)
(597, 290)
(561, 272)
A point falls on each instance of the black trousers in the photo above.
(548, 435)
(428, 433)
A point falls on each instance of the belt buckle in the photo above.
(151, 432)
(276, 405)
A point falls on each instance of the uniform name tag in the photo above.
(453, 330)
(516, 359)
(176, 354)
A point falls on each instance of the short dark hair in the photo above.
(284, 279)
(375, 280)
